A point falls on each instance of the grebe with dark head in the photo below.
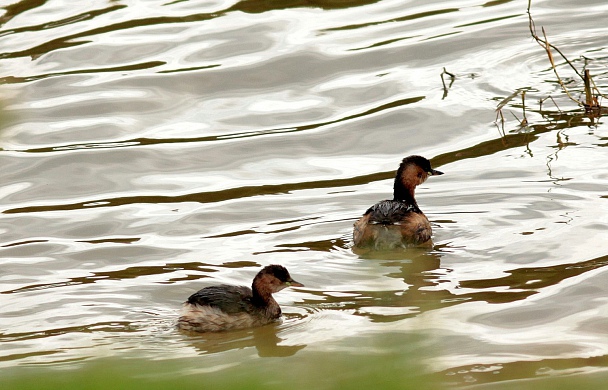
(226, 307)
(398, 222)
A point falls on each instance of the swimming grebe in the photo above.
(399, 222)
(225, 307)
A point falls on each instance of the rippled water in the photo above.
(151, 148)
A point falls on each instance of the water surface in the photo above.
(149, 149)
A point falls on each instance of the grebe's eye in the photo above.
(420, 175)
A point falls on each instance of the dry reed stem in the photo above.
(547, 46)
(588, 96)
(591, 101)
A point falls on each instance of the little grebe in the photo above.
(225, 307)
(399, 222)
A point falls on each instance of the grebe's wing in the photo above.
(230, 299)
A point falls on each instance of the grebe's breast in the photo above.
(392, 224)
(199, 318)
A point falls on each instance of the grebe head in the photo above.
(413, 171)
(274, 278)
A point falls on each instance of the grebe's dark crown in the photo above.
(281, 273)
(422, 162)
(278, 271)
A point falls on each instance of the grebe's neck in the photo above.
(262, 299)
(402, 193)
(260, 295)
(261, 292)
(407, 178)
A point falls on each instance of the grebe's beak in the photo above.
(434, 172)
(293, 283)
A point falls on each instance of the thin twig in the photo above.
(506, 100)
(554, 102)
(523, 103)
(545, 43)
(597, 89)
(452, 77)
(449, 74)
